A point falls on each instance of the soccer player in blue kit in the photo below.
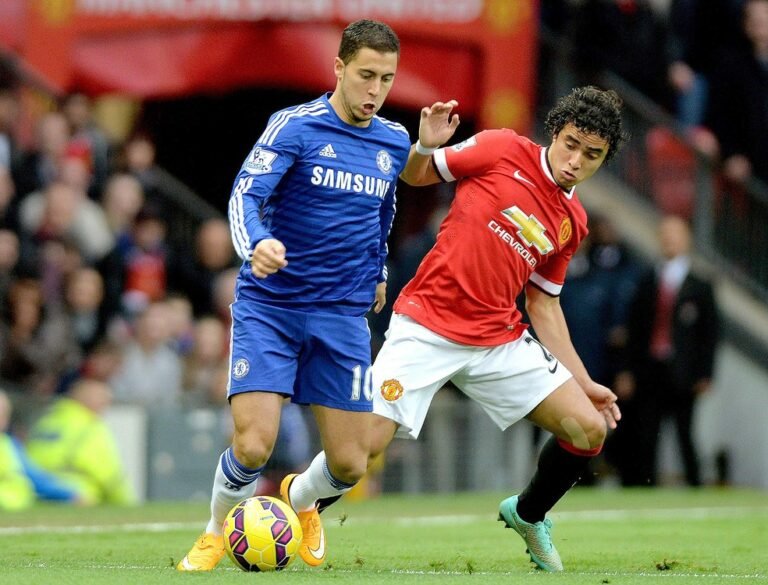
(310, 212)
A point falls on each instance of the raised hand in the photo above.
(437, 125)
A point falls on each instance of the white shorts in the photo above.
(508, 381)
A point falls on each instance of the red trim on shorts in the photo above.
(581, 452)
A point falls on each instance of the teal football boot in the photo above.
(536, 536)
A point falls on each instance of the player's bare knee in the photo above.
(584, 432)
(349, 470)
(250, 452)
(596, 431)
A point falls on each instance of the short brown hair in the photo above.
(369, 34)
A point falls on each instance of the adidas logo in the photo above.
(327, 151)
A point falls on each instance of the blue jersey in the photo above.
(326, 190)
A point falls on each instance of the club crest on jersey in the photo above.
(566, 230)
(465, 144)
(391, 390)
(384, 161)
(240, 369)
(259, 162)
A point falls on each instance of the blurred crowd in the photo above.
(92, 287)
(704, 61)
(90, 283)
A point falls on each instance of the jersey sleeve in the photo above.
(472, 157)
(270, 158)
(550, 277)
(388, 204)
(386, 217)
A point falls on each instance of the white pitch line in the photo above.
(592, 515)
(615, 574)
(99, 528)
(669, 575)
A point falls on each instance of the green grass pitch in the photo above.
(605, 536)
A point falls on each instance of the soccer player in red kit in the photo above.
(513, 226)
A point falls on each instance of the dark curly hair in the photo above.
(369, 34)
(593, 111)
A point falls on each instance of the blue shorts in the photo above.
(315, 358)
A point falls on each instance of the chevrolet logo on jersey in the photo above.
(530, 229)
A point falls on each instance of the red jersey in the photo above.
(509, 224)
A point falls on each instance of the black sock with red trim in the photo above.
(560, 466)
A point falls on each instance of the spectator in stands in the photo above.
(122, 200)
(601, 278)
(195, 274)
(145, 265)
(203, 365)
(40, 167)
(87, 138)
(673, 332)
(698, 33)
(181, 323)
(738, 112)
(16, 489)
(224, 295)
(139, 159)
(55, 231)
(56, 260)
(22, 483)
(150, 374)
(83, 296)
(9, 113)
(36, 345)
(73, 442)
(9, 260)
(8, 201)
(103, 362)
(62, 210)
(218, 396)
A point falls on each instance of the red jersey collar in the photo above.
(548, 172)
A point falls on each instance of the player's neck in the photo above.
(343, 111)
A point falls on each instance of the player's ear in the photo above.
(338, 68)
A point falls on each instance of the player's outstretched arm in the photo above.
(436, 127)
(548, 321)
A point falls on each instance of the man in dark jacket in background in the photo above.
(673, 332)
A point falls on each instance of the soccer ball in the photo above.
(262, 534)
